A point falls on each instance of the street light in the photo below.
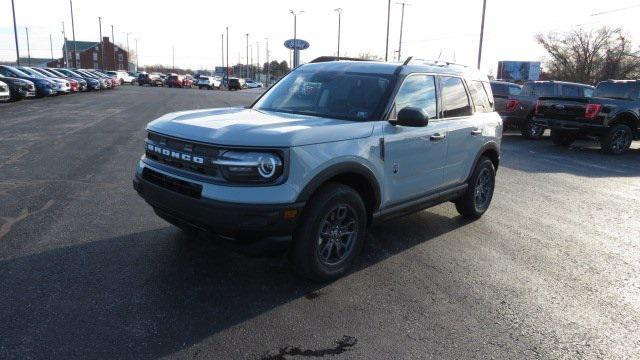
(73, 32)
(296, 53)
(386, 51)
(246, 71)
(101, 43)
(339, 11)
(268, 64)
(28, 47)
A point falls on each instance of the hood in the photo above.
(249, 127)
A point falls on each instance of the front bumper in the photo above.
(255, 225)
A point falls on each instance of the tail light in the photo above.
(592, 111)
(537, 110)
(512, 104)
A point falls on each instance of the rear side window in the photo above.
(616, 90)
(499, 89)
(455, 101)
(544, 89)
(417, 91)
(514, 90)
(571, 91)
(479, 96)
(588, 92)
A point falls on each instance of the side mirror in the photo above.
(412, 117)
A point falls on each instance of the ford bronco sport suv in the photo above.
(330, 148)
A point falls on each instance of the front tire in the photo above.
(476, 200)
(562, 138)
(530, 130)
(618, 140)
(330, 234)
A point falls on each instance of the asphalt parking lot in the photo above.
(88, 271)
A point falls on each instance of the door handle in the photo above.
(437, 137)
(476, 132)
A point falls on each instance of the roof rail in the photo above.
(335, 58)
(435, 62)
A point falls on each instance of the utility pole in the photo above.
(15, 33)
(251, 72)
(101, 43)
(73, 32)
(113, 42)
(339, 11)
(51, 46)
(484, 9)
(386, 51)
(401, 24)
(296, 52)
(247, 59)
(65, 62)
(258, 60)
(173, 55)
(28, 47)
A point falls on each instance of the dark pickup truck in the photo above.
(611, 116)
(520, 108)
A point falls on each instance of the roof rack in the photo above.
(433, 62)
(335, 58)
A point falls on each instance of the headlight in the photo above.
(239, 166)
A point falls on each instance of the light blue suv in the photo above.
(332, 147)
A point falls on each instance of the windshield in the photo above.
(16, 72)
(32, 72)
(624, 90)
(56, 72)
(332, 94)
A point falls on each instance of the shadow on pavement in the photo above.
(583, 158)
(153, 293)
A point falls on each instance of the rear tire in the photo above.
(618, 140)
(330, 234)
(476, 200)
(529, 130)
(562, 138)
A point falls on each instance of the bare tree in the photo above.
(590, 56)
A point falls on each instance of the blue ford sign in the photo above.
(296, 44)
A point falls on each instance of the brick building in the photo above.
(89, 55)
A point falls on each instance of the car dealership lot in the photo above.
(87, 269)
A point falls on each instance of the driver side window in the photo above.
(417, 91)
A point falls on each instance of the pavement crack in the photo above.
(342, 345)
(24, 213)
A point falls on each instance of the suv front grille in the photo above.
(182, 154)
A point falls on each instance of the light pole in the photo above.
(268, 65)
(15, 33)
(128, 53)
(339, 11)
(386, 51)
(296, 52)
(226, 69)
(484, 9)
(137, 54)
(246, 72)
(51, 46)
(73, 32)
(173, 56)
(251, 71)
(401, 24)
(222, 51)
(258, 58)
(28, 47)
(101, 43)
(113, 42)
(65, 62)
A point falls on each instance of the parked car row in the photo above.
(608, 113)
(20, 82)
(200, 81)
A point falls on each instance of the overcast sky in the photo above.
(431, 28)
